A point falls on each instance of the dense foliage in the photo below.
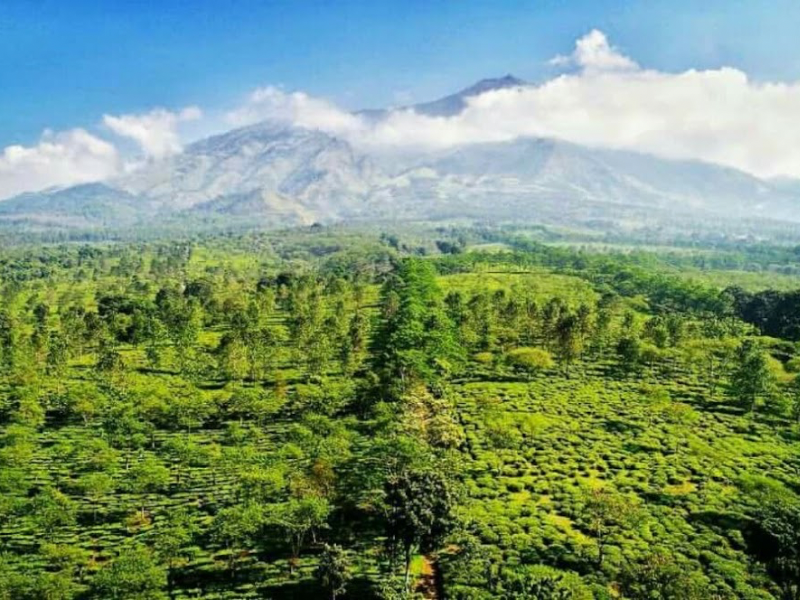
(341, 414)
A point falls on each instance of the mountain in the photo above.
(547, 168)
(321, 173)
(274, 174)
(81, 206)
(786, 184)
(451, 105)
(263, 207)
(455, 103)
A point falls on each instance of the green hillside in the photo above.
(339, 413)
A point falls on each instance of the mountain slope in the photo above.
(453, 104)
(321, 172)
(274, 174)
(551, 168)
(86, 205)
(263, 207)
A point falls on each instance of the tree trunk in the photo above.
(408, 566)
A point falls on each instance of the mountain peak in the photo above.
(453, 104)
(491, 83)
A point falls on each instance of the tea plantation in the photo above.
(327, 413)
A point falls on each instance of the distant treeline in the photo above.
(611, 273)
(775, 313)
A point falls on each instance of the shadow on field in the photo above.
(719, 408)
(635, 447)
(359, 589)
(720, 520)
(621, 426)
(790, 435)
(157, 371)
(490, 378)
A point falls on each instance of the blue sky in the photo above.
(93, 91)
(66, 63)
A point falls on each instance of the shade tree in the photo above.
(419, 507)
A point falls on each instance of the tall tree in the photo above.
(236, 527)
(333, 570)
(608, 513)
(419, 508)
(778, 520)
(751, 378)
(298, 518)
(172, 537)
(416, 339)
(133, 575)
(569, 339)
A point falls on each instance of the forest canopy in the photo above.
(439, 413)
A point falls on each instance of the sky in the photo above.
(89, 90)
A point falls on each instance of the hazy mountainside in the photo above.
(92, 204)
(550, 169)
(263, 207)
(320, 173)
(786, 184)
(272, 174)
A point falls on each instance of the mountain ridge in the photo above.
(285, 175)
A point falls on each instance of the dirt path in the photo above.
(427, 585)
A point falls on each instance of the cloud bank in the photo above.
(78, 156)
(593, 52)
(156, 132)
(298, 108)
(605, 99)
(601, 98)
(64, 158)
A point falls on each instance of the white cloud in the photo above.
(272, 103)
(156, 132)
(716, 115)
(64, 158)
(593, 52)
(77, 156)
(604, 99)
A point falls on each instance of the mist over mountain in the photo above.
(275, 174)
(453, 104)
